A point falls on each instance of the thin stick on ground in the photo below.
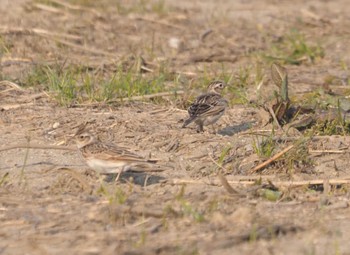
(12, 85)
(47, 8)
(85, 48)
(37, 146)
(274, 117)
(15, 61)
(75, 7)
(328, 151)
(149, 96)
(164, 23)
(135, 98)
(57, 37)
(227, 185)
(270, 160)
(345, 180)
(37, 31)
(222, 178)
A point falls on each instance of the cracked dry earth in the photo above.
(51, 203)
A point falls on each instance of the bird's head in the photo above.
(216, 86)
(83, 139)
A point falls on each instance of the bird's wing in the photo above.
(207, 104)
(113, 152)
(121, 153)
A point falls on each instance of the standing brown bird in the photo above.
(208, 107)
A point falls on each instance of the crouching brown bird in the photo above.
(107, 158)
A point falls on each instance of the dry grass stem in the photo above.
(275, 183)
(148, 96)
(160, 22)
(227, 186)
(270, 160)
(75, 7)
(36, 31)
(329, 151)
(37, 146)
(12, 85)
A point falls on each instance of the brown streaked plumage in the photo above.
(108, 158)
(208, 107)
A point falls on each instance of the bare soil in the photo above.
(51, 203)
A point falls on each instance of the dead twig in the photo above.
(223, 180)
(216, 163)
(160, 22)
(227, 185)
(56, 37)
(136, 98)
(37, 146)
(192, 74)
(76, 7)
(274, 117)
(137, 210)
(7, 107)
(345, 180)
(15, 61)
(12, 85)
(214, 57)
(47, 8)
(328, 151)
(205, 34)
(36, 31)
(85, 48)
(270, 160)
(146, 69)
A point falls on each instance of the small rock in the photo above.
(176, 43)
(55, 125)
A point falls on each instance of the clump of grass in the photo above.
(241, 80)
(298, 156)
(333, 127)
(117, 196)
(265, 147)
(142, 239)
(294, 49)
(64, 84)
(5, 46)
(4, 179)
(75, 84)
(143, 6)
(36, 77)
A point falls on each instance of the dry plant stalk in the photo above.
(227, 186)
(37, 146)
(270, 160)
(345, 180)
(37, 31)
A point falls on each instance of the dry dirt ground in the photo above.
(51, 203)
